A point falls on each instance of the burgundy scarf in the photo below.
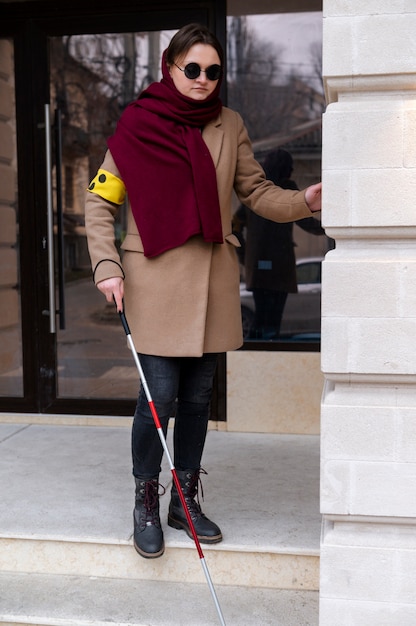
(166, 166)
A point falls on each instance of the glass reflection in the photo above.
(270, 269)
(11, 373)
(274, 81)
(93, 78)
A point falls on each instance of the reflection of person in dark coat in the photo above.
(269, 256)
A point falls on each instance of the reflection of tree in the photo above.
(268, 101)
(88, 113)
(94, 77)
(113, 60)
(315, 52)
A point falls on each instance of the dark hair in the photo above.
(187, 37)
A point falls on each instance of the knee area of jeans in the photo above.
(148, 419)
(164, 408)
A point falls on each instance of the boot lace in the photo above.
(193, 489)
(149, 514)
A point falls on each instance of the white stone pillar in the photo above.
(368, 469)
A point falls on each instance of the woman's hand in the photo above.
(113, 289)
(313, 197)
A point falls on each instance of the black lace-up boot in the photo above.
(148, 534)
(207, 531)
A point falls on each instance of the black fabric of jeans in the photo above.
(180, 387)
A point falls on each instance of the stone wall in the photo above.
(274, 392)
(368, 425)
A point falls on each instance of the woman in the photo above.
(178, 154)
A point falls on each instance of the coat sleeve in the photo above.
(259, 194)
(100, 214)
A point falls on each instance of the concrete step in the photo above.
(66, 518)
(46, 600)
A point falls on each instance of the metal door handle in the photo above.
(50, 242)
(60, 217)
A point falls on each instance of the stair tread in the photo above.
(51, 600)
(68, 493)
(262, 489)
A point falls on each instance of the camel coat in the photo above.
(186, 301)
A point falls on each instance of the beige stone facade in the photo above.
(368, 462)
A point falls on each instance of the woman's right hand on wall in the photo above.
(313, 197)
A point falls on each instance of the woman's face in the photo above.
(201, 87)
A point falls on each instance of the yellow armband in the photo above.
(108, 186)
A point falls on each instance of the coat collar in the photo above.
(213, 136)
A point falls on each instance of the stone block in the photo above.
(358, 432)
(7, 186)
(384, 43)
(334, 344)
(364, 422)
(7, 148)
(409, 134)
(361, 287)
(336, 8)
(381, 198)
(382, 346)
(363, 134)
(8, 226)
(337, 57)
(368, 488)
(6, 58)
(371, 181)
(9, 308)
(383, 489)
(282, 389)
(335, 487)
(337, 198)
(366, 613)
(368, 346)
(8, 267)
(6, 99)
(360, 561)
(384, 197)
(11, 353)
(357, 572)
(374, 41)
(369, 281)
(406, 433)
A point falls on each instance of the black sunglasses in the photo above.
(193, 70)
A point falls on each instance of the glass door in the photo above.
(64, 350)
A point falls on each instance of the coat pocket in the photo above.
(233, 240)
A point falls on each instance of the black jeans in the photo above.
(183, 383)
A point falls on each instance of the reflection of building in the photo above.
(9, 263)
(87, 116)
